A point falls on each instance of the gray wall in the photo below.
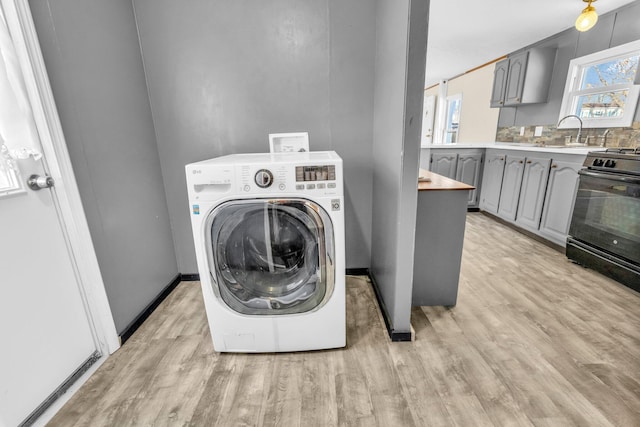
(222, 75)
(401, 39)
(93, 59)
(613, 29)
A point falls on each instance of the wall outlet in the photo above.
(537, 131)
(521, 130)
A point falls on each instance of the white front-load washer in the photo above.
(269, 238)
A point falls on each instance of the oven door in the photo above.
(607, 214)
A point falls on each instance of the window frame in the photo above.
(572, 91)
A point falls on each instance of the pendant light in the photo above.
(587, 18)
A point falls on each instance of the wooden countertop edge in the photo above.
(440, 183)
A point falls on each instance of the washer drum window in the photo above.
(271, 257)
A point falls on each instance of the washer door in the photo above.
(271, 256)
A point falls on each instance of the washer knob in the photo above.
(264, 178)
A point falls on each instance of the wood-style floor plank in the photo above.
(533, 341)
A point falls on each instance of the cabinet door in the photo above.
(558, 204)
(515, 81)
(492, 182)
(499, 83)
(511, 181)
(533, 189)
(444, 164)
(468, 171)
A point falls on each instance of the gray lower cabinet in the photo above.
(438, 246)
(468, 170)
(532, 192)
(464, 165)
(510, 193)
(444, 164)
(558, 203)
(492, 181)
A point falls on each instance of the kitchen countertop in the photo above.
(520, 147)
(439, 183)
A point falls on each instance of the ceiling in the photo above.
(465, 34)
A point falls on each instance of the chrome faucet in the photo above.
(603, 143)
(579, 129)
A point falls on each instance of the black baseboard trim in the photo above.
(357, 272)
(133, 326)
(190, 277)
(394, 335)
(473, 209)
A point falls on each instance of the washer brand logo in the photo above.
(335, 204)
(197, 171)
(196, 209)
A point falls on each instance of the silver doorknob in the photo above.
(37, 182)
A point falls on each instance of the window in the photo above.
(9, 183)
(602, 88)
(9, 180)
(452, 125)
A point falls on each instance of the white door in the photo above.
(44, 327)
(45, 330)
(428, 116)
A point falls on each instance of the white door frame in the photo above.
(57, 163)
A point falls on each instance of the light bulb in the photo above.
(587, 19)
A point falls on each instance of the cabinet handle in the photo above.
(501, 158)
(528, 162)
(501, 102)
(554, 166)
(520, 161)
(517, 99)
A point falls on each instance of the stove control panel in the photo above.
(613, 162)
(608, 163)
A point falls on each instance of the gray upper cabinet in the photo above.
(511, 181)
(558, 204)
(515, 80)
(499, 83)
(492, 181)
(523, 78)
(444, 164)
(532, 192)
(468, 171)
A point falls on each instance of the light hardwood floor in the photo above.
(534, 340)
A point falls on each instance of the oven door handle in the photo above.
(612, 177)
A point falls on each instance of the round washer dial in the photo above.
(264, 178)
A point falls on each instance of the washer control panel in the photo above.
(315, 173)
(255, 179)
